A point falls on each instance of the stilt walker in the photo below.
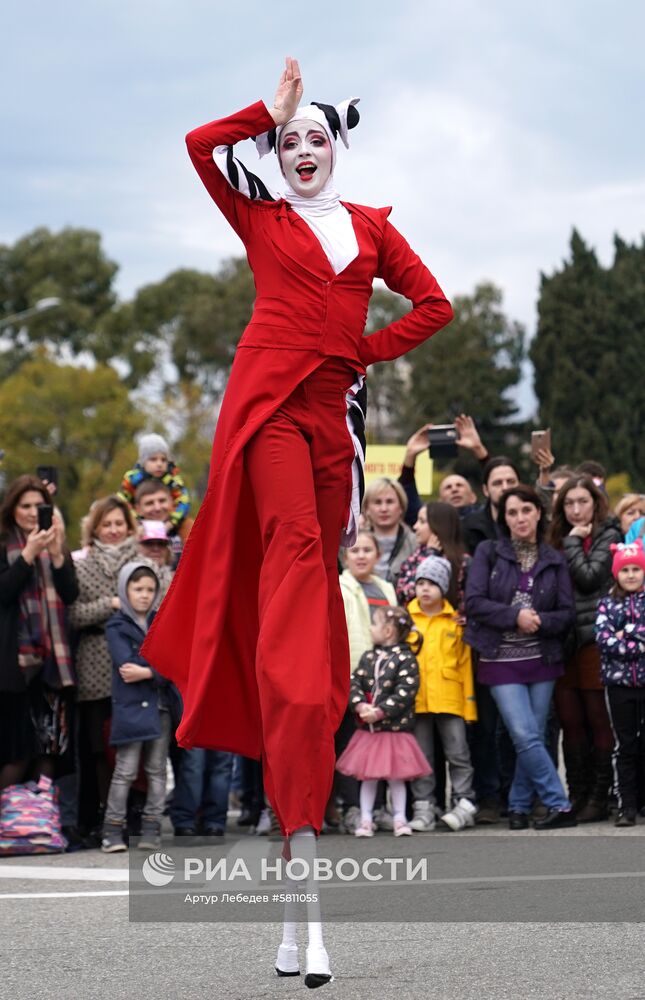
(286, 472)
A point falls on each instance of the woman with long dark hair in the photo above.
(583, 530)
(519, 607)
(438, 532)
(37, 582)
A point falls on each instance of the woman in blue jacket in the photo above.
(519, 607)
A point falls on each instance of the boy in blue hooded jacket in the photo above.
(143, 706)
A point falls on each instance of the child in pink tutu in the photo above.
(383, 691)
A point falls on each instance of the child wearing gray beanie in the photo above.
(155, 463)
(436, 569)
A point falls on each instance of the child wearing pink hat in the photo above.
(620, 635)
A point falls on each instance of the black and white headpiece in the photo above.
(336, 121)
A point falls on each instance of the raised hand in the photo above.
(416, 444)
(288, 94)
(469, 435)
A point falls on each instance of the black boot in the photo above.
(596, 807)
(577, 765)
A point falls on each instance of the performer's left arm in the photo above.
(404, 272)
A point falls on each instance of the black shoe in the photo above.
(76, 841)
(518, 821)
(627, 817)
(213, 831)
(487, 812)
(185, 831)
(556, 819)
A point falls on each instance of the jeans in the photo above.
(251, 787)
(524, 709)
(452, 730)
(126, 768)
(204, 784)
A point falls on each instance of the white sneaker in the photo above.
(365, 828)
(264, 824)
(401, 828)
(423, 820)
(461, 815)
(384, 820)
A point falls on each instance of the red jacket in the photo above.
(300, 302)
(204, 636)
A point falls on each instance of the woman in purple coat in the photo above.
(519, 607)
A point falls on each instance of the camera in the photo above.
(442, 441)
(48, 473)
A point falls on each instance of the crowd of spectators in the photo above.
(529, 604)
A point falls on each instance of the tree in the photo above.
(386, 381)
(468, 367)
(588, 357)
(69, 265)
(78, 419)
(187, 416)
(185, 327)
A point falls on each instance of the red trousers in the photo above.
(299, 465)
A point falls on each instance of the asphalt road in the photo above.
(502, 915)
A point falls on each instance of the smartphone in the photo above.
(45, 514)
(442, 441)
(539, 440)
(49, 473)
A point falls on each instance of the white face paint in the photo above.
(306, 157)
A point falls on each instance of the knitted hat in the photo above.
(436, 569)
(152, 444)
(627, 555)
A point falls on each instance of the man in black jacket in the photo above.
(499, 474)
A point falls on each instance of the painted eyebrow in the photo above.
(311, 131)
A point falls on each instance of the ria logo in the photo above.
(158, 869)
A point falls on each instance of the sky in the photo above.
(492, 129)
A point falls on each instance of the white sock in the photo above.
(367, 799)
(290, 925)
(399, 798)
(303, 846)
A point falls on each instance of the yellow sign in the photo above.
(387, 460)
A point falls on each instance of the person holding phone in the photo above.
(37, 680)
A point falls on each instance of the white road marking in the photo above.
(55, 872)
(60, 895)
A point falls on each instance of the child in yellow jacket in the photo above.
(446, 697)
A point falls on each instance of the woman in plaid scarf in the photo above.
(37, 580)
